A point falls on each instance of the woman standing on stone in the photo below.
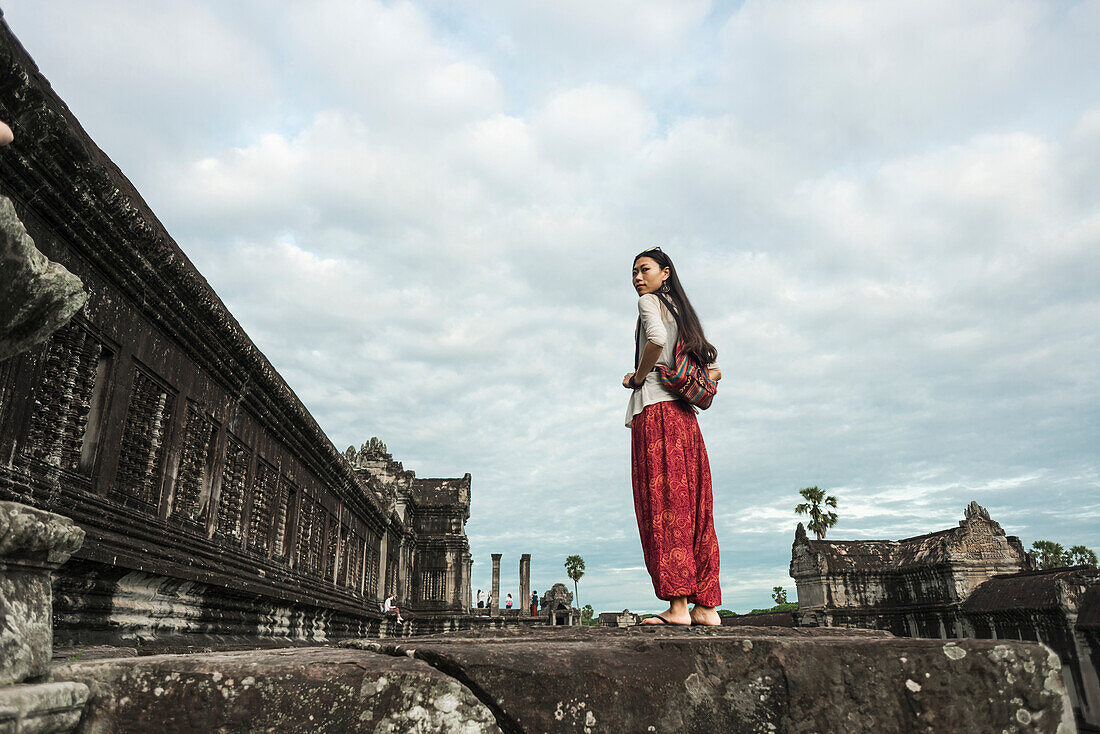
(669, 466)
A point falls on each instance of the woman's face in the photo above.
(648, 275)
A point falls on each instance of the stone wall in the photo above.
(427, 548)
(214, 505)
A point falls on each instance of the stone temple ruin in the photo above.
(971, 581)
(557, 606)
(204, 559)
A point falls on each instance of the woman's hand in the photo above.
(715, 375)
(628, 380)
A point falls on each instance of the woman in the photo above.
(480, 599)
(508, 602)
(669, 467)
(390, 605)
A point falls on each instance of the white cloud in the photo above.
(386, 61)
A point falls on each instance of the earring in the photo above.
(664, 287)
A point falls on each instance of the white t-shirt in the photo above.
(659, 327)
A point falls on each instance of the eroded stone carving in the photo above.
(37, 296)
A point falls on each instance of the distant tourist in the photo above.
(390, 605)
(534, 603)
(480, 599)
(489, 599)
(669, 466)
(508, 601)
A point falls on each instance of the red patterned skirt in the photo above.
(672, 500)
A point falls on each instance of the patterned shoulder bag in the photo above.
(688, 378)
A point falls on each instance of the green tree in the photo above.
(587, 612)
(1048, 554)
(779, 594)
(820, 519)
(574, 569)
(1080, 555)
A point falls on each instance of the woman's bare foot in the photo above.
(677, 613)
(705, 616)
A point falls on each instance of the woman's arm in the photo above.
(650, 355)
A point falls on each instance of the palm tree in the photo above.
(1079, 555)
(1048, 554)
(820, 520)
(574, 569)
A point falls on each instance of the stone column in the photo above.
(494, 608)
(525, 585)
(33, 543)
(383, 564)
(467, 597)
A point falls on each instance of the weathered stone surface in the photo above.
(41, 708)
(749, 679)
(289, 690)
(36, 296)
(32, 544)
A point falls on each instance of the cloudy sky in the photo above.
(886, 214)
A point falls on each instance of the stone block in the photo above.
(39, 296)
(33, 543)
(650, 679)
(285, 690)
(42, 708)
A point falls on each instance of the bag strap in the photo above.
(637, 336)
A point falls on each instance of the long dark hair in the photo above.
(687, 322)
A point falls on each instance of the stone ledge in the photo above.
(40, 708)
(288, 690)
(749, 679)
(592, 680)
